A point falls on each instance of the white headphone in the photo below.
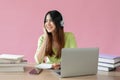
(62, 23)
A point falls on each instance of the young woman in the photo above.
(53, 40)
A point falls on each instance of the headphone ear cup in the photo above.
(62, 23)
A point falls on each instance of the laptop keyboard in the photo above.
(57, 71)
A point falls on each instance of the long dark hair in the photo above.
(59, 34)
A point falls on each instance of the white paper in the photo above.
(44, 66)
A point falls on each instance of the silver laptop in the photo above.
(78, 61)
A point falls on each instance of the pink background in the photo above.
(94, 23)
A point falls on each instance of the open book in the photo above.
(44, 66)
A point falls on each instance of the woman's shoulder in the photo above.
(41, 37)
(70, 41)
(68, 34)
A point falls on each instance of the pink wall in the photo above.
(95, 24)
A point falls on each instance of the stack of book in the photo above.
(108, 62)
(12, 63)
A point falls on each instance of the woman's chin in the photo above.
(49, 31)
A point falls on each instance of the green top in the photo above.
(70, 42)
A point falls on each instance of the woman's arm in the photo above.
(40, 52)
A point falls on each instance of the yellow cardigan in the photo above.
(70, 42)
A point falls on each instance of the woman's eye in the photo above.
(49, 20)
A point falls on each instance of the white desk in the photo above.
(50, 75)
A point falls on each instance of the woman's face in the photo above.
(49, 24)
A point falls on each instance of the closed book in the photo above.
(23, 63)
(8, 61)
(109, 64)
(12, 69)
(107, 58)
(101, 68)
(11, 56)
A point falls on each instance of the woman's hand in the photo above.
(56, 66)
(45, 33)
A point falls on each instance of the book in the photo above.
(8, 61)
(12, 69)
(44, 66)
(101, 68)
(22, 63)
(109, 64)
(109, 58)
(11, 56)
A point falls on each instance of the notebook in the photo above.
(78, 62)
